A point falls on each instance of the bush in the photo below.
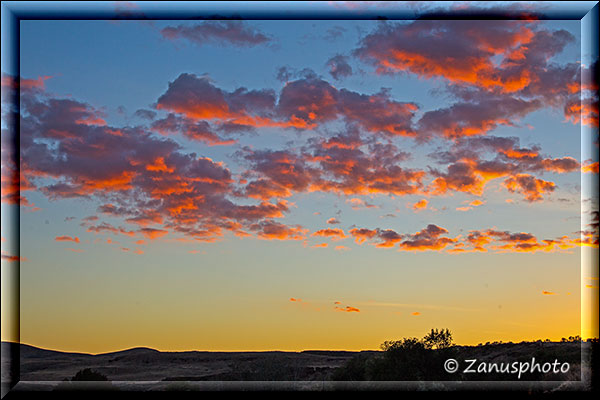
(89, 375)
(86, 375)
(408, 359)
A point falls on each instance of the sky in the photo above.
(290, 185)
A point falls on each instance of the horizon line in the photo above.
(581, 340)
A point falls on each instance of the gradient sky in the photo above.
(291, 185)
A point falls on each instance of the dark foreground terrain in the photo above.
(132, 369)
(144, 364)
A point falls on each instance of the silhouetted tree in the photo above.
(441, 339)
(89, 375)
(408, 359)
(86, 375)
(356, 369)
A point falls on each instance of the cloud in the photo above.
(194, 130)
(547, 293)
(477, 118)
(145, 114)
(270, 230)
(333, 221)
(66, 239)
(347, 309)
(478, 240)
(153, 233)
(468, 172)
(197, 98)
(474, 203)
(304, 103)
(429, 238)
(334, 33)
(435, 238)
(281, 172)
(501, 69)
(589, 167)
(339, 67)
(350, 170)
(386, 237)
(531, 187)
(362, 234)
(232, 32)
(333, 165)
(420, 205)
(333, 233)
(520, 242)
(464, 53)
(147, 179)
(560, 165)
(142, 176)
(20, 83)
(11, 258)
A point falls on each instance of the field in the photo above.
(149, 369)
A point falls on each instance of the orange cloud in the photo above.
(463, 208)
(66, 239)
(153, 233)
(420, 205)
(104, 227)
(590, 167)
(357, 203)
(429, 238)
(11, 82)
(532, 187)
(11, 258)
(159, 166)
(474, 203)
(584, 111)
(547, 293)
(333, 233)
(347, 309)
(362, 234)
(270, 230)
(560, 165)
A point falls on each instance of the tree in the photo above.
(89, 375)
(407, 359)
(441, 339)
(85, 377)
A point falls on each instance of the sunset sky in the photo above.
(291, 185)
